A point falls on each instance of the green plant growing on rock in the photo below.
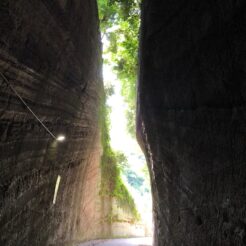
(112, 184)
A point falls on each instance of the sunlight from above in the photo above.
(123, 142)
(120, 24)
(120, 139)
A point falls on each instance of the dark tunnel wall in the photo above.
(50, 53)
(192, 121)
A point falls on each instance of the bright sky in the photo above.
(120, 139)
(123, 142)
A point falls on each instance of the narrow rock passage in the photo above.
(147, 241)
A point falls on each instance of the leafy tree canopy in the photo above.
(120, 21)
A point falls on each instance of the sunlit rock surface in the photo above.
(191, 119)
(50, 53)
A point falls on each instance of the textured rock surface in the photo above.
(191, 119)
(118, 221)
(50, 52)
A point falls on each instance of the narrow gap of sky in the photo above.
(123, 142)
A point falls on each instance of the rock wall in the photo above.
(191, 119)
(124, 223)
(50, 53)
(118, 221)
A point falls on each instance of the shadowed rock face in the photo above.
(50, 53)
(191, 119)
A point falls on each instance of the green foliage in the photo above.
(111, 183)
(134, 180)
(122, 161)
(120, 25)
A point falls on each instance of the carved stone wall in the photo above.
(50, 53)
(191, 119)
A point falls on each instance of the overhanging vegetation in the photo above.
(120, 20)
